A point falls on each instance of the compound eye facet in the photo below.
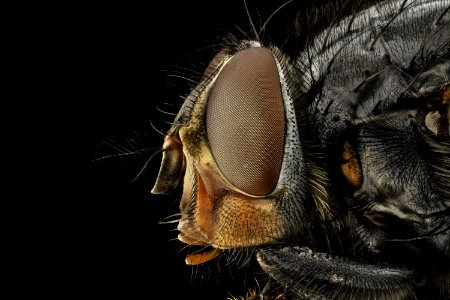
(245, 121)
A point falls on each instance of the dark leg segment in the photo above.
(314, 276)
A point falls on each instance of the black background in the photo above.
(124, 58)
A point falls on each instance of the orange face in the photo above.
(233, 155)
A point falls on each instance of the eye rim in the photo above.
(298, 163)
(258, 68)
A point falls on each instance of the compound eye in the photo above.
(245, 121)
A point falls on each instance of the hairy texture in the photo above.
(310, 275)
(347, 195)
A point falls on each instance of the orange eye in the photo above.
(245, 121)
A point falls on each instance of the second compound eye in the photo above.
(245, 121)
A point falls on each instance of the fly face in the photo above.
(235, 148)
